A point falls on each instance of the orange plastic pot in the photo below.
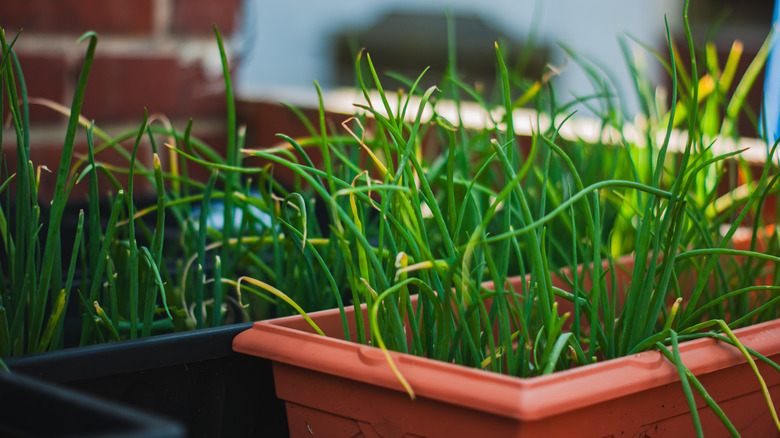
(332, 387)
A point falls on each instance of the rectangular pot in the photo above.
(33, 408)
(332, 387)
(192, 377)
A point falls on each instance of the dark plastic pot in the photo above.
(33, 408)
(193, 377)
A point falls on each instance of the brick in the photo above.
(45, 77)
(266, 119)
(197, 17)
(120, 87)
(78, 16)
(199, 96)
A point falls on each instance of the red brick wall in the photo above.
(155, 54)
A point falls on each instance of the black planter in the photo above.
(33, 408)
(193, 377)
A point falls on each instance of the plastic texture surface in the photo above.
(340, 388)
(33, 408)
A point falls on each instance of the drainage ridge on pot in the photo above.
(633, 390)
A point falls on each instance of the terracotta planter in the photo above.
(336, 388)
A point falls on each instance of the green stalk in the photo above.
(59, 200)
(231, 179)
(56, 333)
(216, 317)
(5, 334)
(324, 149)
(641, 277)
(23, 236)
(99, 268)
(155, 255)
(133, 249)
(575, 198)
(94, 224)
(395, 122)
(681, 370)
(596, 292)
(198, 284)
(689, 380)
(755, 68)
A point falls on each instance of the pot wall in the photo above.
(343, 389)
(192, 377)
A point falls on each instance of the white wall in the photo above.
(289, 40)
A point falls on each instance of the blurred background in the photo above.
(161, 54)
(290, 44)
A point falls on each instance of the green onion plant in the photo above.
(426, 222)
(454, 226)
(139, 268)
